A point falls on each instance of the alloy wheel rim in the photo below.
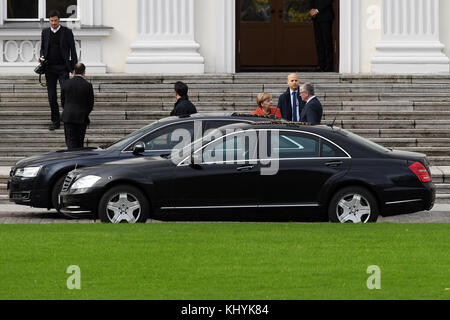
(123, 208)
(353, 208)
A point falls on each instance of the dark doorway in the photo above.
(277, 35)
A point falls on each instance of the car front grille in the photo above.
(68, 182)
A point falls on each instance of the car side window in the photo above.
(331, 151)
(230, 149)
(165, 140)
(294, 145)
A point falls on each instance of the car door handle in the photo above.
(334, 164)
(246, 168)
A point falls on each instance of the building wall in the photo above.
(116, 47)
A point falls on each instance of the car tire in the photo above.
(353, 205)
(56, 190)
(123, 204)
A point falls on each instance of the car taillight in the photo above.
(420, 171)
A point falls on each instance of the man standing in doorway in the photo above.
(77, 99)
(58, 48)
(323, 15)
(290, 103)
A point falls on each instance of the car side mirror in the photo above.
(139, 148)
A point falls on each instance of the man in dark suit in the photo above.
(77, 98)
(58, 49)
(183, 107)
(290, 102)
(313, 111)
(323, 15)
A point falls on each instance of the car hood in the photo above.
(58, 155)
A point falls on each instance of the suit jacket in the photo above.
(183, 107)
(285, 104)
(67, 44)
(77, 99)
(325, 7)
(312, 112)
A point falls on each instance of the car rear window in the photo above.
(366, 142)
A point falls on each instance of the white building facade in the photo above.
(203, 36)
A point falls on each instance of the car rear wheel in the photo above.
(123, 204)
(353, 205)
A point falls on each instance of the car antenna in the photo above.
(332, 124)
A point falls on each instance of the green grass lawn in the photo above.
(280, 261)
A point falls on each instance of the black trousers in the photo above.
(54, 74)
(74, 134)
(324, 44)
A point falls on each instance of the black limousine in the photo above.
(271, 167)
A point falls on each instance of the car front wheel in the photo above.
(353, 205)
(123, 204)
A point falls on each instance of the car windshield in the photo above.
(364, 141)
(122, 143)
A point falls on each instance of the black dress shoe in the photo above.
(52, 127)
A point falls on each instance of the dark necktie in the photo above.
(294, 106)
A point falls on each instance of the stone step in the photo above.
(402, 133)
(4, 199)
(393, 124)
(151, 114)
(99, 124)
(9, 161)
(254, 77)
(387, 115)
(442, 198)
(429, 151)
(419, 98)
(443, 188)
(412, 142)
(227, 86)
(442, 125)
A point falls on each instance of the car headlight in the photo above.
(27, 172)
(85, 182)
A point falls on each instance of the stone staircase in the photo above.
(403, 112)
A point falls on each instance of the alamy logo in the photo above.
(74, 280)
(230, 146)
(374, 281)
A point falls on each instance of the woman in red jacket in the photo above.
(265, 106)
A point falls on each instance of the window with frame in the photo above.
(164, 139)
(239, 147)
(34, 10)
(294, 145)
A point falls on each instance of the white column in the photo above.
(165, 39)
(226, 36)
(349, 34)
(410, 38)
